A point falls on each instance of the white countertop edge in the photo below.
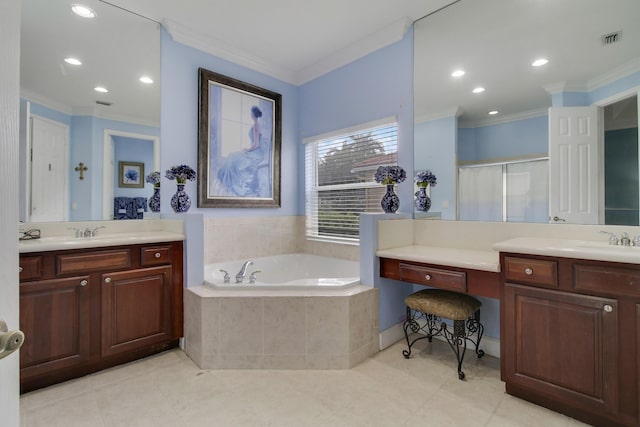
(105, 240)
(566, 248)
(474, 259)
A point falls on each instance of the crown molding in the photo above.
(531, 114)
(443, 114)
(45, 102)
(216, 47)
(378, 40)
(107, 115)
(617, 73)
(389, 35)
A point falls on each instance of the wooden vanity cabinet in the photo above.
(88, 309)
(570, 336)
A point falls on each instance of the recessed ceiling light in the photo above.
(100, 89)
(72, 61)
(493, 112)
(457, 73)
(83, 11)
(479, 89)
(539, 62)
(146, 79)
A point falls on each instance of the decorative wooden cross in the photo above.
(81, 168)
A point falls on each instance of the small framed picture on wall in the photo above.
(130, 174)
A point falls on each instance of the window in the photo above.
(339, 177)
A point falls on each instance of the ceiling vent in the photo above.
(611, 38)
(108, 104)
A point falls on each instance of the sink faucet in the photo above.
(243, 271)
(613, 239)
(92, 232)
(625, 240)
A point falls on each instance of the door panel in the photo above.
(49, 148)
(576, 165)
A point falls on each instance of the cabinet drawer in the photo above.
(607, 280)
(93, 261)
(438, 278)
(30, 267)
(534, 271)
(155, 255)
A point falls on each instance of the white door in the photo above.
(9, 105)
(49, 148)
(576, 165)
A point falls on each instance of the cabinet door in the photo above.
(54, 316)
(136, 309)
(562, 347)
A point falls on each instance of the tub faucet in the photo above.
(243, 271)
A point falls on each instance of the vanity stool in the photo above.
(425, 310)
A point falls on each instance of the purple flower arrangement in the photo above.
(153, 178)
(390, 175)
(425, 179)
(181, 173)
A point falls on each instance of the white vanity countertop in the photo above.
(55, 243)
(474, 259)
(582, 249)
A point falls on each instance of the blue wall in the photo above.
(435, 149)
(179, 117)
(504, 140)
(133, 150)
(376, 86)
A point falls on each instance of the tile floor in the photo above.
(385, 390)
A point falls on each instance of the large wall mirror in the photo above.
(90, 98)
(491, 132)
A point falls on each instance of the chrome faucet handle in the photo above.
(636, 240)
(94, 231)
(625, 240)
(77, 230)
(252, 278)
(227, 278)
(613, 239)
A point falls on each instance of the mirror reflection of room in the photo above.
(493, 129)
(90, 95)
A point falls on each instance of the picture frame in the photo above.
(130, 174)
(239, 140)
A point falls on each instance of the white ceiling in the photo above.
(291, 40)
(296, 41)
(495, 41)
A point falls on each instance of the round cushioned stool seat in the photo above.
(441, 303)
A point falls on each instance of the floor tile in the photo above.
(170, 390)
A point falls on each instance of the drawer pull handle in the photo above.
(84, 282)
(608, 308)
(157, 255)
(107, 280)
(20, 269)
(427, 277)
(528, 271)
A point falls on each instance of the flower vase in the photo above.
(180, 202)
(154, 200)
(423, 201)
(390, 201)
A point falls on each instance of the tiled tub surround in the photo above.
(321, 329)
(227, 239)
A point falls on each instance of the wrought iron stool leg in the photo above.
(414, 326)
(475, 327)
(456, 340)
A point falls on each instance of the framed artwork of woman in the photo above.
(239, 138)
